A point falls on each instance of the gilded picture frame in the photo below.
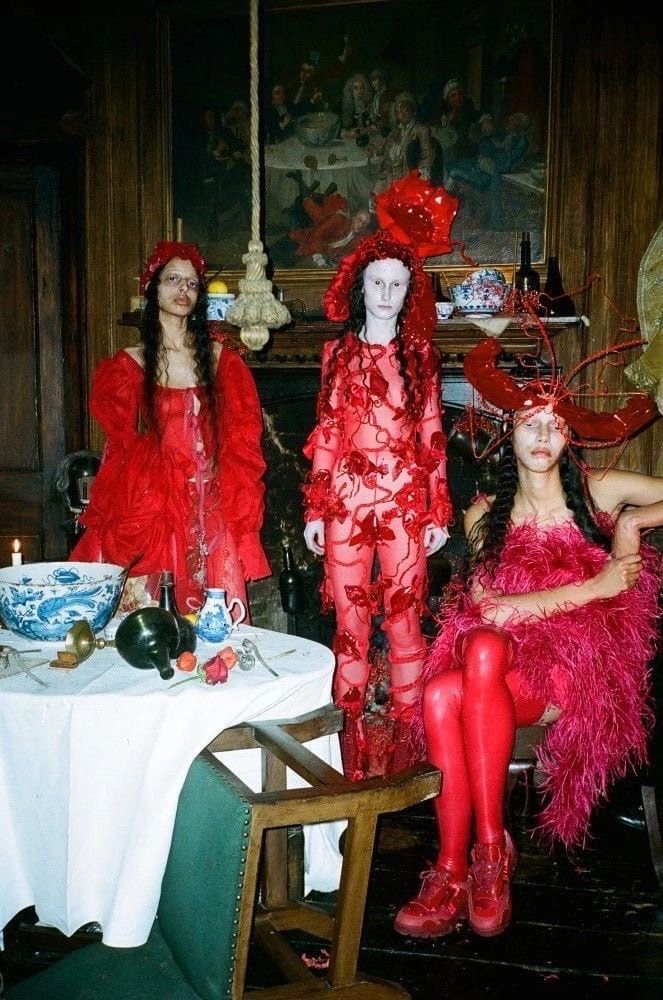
(478, 81)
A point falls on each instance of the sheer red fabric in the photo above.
(161, 494)
(378, 478)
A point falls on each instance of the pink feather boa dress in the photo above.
(592, 661)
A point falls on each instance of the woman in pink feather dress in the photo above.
(554, 620)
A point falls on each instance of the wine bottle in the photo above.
(187, 637)
(527, 278)
(554, 298)
(291, 584)
(438, 288)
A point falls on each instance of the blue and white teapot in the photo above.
(215, 621)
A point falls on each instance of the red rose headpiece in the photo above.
(593, 429)
(165, 251)
(416, 218)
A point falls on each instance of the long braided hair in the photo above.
(150, 333)
(487, 537)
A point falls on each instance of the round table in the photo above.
(342, 162)
(93, 764)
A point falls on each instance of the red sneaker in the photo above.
(490, 889)
(436, 909)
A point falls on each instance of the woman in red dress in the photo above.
(180, 482)
(555, 620)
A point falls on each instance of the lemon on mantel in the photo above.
(217, 287)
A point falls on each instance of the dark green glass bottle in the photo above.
(186, 631)
(527, 277)
(554, 298)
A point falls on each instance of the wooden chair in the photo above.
(209, 908)
(653, 812)
(522, 766)
(523, 761)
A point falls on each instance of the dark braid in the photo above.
(579, 499)
(486, 539)
(200, 342)
(488, 535)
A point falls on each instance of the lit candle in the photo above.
(17, 555)
(179, 229)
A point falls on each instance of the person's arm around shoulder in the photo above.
(633, 500)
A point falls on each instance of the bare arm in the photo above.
(617, 575)
(633, 499)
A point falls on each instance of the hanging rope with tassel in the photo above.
(256, 310)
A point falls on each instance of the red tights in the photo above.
(470, 718)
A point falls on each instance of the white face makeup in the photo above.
(539, 438)
(179, 286)
(385, 287)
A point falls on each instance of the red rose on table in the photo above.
(229, 656)
(215, 670)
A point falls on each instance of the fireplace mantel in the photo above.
(300, 343)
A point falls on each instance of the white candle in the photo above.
(17, 555)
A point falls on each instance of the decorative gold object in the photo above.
(80, 642)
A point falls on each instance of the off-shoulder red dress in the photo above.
(163, 495)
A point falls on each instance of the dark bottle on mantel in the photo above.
(291, 585)
(438, 288)
(527, 278)
(553, 298)
(186, 642)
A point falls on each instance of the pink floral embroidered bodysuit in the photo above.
(378, 478)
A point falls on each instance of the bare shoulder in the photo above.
(613, 489)
(476, 511)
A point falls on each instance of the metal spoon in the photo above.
(252, 650)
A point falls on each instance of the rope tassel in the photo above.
(256, 310)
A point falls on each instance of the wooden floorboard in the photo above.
(589, 926)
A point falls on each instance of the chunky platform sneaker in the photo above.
(440, 903)
(490, 889)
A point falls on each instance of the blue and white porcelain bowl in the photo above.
(482, 291)
(218, 305)
(43, 600)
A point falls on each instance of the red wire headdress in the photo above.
(165, 251)
(593, 429)
(415, 219)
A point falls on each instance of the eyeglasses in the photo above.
(175, 280)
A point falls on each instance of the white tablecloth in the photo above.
(91, 768)
(351, 170)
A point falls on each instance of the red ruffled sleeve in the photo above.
(242, 465)
(130, 491)
(117, 386)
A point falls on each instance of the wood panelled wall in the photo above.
(605, 167)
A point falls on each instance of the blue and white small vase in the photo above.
(215, 622)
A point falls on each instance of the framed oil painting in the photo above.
(353, 95)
